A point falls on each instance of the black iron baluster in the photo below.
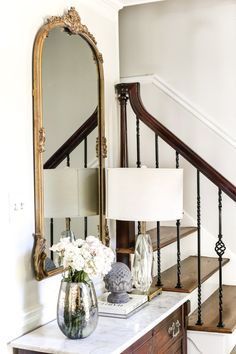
(85, 153)
(177, 159)
(156, 151)
(199, 318)
(159, 283)
(178, 284)
(138, 163)
(68, 160)
(220, 250)
(85, 166)
(51, 236)
(68, 220)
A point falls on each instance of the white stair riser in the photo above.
(207, 289)
(168, 253)
(210, 343)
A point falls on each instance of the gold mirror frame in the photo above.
(72, 22)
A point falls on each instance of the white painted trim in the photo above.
(138, 2)
(119, 4)
(209, 121)
(27, 321)
(144, 79)
(114, 4)
(31, 318)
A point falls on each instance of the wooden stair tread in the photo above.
(210, 312)
(168, 236)
(209, 265)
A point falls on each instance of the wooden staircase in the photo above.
(217, 313)
(189, 278)
(189, 281)
(210, 316)
(167, 236)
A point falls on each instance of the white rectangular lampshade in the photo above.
(144, 194)
(70, 192)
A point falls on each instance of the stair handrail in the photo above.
(132, 91)
(73, 141)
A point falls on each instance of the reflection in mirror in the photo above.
(69, 99)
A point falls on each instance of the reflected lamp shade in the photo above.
(70, 192)
(144, 194)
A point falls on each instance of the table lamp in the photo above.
(144, 194)
(70, 192)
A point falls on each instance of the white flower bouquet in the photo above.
(83, 259)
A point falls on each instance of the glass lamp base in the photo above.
(70, 234)
(142, 265)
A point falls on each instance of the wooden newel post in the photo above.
(125, 230)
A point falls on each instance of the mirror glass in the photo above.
(69, 97)
(69, 141)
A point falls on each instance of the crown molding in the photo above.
(114, 4)
(137, 2)
(119, 4)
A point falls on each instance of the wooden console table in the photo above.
(159, 328)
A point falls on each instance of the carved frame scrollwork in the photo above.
(71, 22)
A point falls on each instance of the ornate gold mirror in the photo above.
(69, 141)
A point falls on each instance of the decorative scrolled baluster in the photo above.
(85, 166)
(220, 250)
(138, 162)
(68, 220)
(199, 318)
(159, 283)
(178, 284)
(176, 159)
(51, 236)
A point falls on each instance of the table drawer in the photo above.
(142, 346)
(169, 330)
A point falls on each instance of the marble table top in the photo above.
(112, 335)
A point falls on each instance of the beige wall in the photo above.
(190, 45)
(24, 302)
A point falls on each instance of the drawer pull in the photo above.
(174, 329)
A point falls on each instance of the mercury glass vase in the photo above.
(77, 310)
(143, 262)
